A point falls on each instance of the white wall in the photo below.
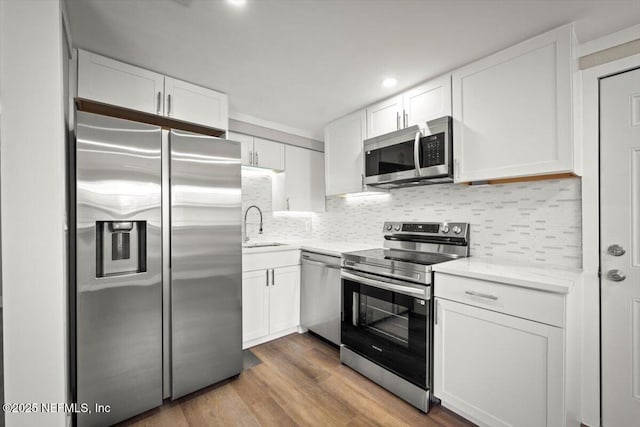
(33, 207)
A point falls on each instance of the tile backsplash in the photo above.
(531, 222)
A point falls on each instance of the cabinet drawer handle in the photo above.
(481, 295)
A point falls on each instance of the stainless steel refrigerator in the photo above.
(156, 265)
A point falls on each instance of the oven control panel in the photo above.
(453, 229)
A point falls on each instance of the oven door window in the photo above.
(394, 158)
(388, 328)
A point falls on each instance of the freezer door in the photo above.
(206, 258)
(117, 296)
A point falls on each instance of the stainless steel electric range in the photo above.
(387, 320)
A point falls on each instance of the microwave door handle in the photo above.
(416, 153)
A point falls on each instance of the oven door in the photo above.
(387, 321)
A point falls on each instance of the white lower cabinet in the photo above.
(270, 304)
(496, 369)
(255, 305)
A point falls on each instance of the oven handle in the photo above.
(416, 153)
(417, 291)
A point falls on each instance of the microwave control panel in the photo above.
(432, 151)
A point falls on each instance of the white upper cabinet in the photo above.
(384, 117)
(301, 186)
(422, 103)
(246, 146)
(428, 101)
(196, 104)
(259, 152)
(512, 111)
(268, 154)
(113, 82)
(343, 156)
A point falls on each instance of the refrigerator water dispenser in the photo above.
(121, 247)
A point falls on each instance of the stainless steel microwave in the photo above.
(411, 156)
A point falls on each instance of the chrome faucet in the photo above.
(245, 237)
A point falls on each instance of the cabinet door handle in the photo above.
(355, 307)
(456, 169)
(267, 281)
(257, 159)
(481, 295)
(406, 118)
(398, 120)
(158, 102)
(169, 105)
(273, 277)
(435, 313)
(250, 157)
(288, 205)
(362, 178)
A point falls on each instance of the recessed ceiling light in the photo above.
(389, 82)
(237, 2)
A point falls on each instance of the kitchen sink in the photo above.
(261, 244)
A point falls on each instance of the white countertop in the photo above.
(327, 247)
(555, 279)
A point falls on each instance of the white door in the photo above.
(495, 369)
(428, 101)
(385, 117)
(246, 146)
(344, 162)
(114, 82)
(255, 305)
(195, 104)
(301, 187)
(284, 299)
(268, 154)
(512, 111)
(620, 225)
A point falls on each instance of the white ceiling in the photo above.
(303, 63)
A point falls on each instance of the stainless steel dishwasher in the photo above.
(320, 295)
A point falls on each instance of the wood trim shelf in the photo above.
(96, 107)
(523, 179)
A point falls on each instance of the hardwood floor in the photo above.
(299, 382)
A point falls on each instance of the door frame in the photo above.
(590, 132)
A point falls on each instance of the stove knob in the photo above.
(397, 227)
(444, 228)
(389, 227)
(457, 229)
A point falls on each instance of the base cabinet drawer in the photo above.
(540, 306)
(497, 370)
